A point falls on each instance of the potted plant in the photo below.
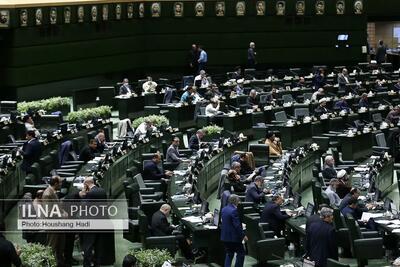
(36, 255)
(211, 132)
(49, 105)
(84, 115)
(151, 257)
(157, 120)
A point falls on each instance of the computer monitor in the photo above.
(216, 217)
(309, 210)
(342, 37)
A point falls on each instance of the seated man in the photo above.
(393, 115)
(355, 211)
(238, 90)
(89, 151)
(173, 151)
(321, 239)
(151, 171)
(329, 171)
(149, 86)
(343, 187)
(125, 88)
(212, 109)
(159, 222)
(330, 191)
(243, 159)
(101, 142)
(318, 94)
(252, 100)
(201, 80)
(273, 97)
(212, 92)
(144, 128)
(195, 140)
(30, 125)
(321, 109)
(363, 103)
(273, 215)
(342, 105)
(238, 73)
(301, 83)
(235, 182)
(255, 192)
(275, 146)
(188, 95)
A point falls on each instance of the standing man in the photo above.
(203, 59)
(251, 56)
(232, 233)
(31, 150)
(193, 57)
(321, 239)
(55, 240)
(102, 244)
(381, 53)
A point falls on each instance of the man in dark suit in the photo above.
(101, 243)
(252, 100)
(255, 192)
(173, 151)
(193, 57)
(321, 109)
(31, 150)
(101, 142)
(89, 151)
(8, 253)
(151, 170)
(125, 88)
(321, 239)
(329, 171)
(273, 215)
(159, 223)
(251, 56)
(194, 141)
(381, 53)
(232, 233)
(363, 103)
(315, 217)
(343, 79)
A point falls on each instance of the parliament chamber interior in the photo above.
(199, 133)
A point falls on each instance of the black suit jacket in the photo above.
(160, 225)
(8, 255)
(194, 142)
(96, 193)
(321, 243)
(86, 154)
(329, 173)
(252, 101)
(152, 172)
(273, 215)
(254, 194)
(32, 150)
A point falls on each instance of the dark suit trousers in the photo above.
(230, 249)
(89, 243)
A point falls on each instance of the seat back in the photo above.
(221, 184)
(322, 142)
(307, 96)
(46, 165)
(281, 116)
(186, 80)
(261, 154)
(380, 139)
(78, 143)
(270, 249)
(301, 112)
(377, 117)
(338, 219)
(252, 233)
(287, 98)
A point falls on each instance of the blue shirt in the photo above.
(185, 97)
(203, 57)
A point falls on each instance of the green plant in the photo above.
(50, 104)
(151, 257)
(83, 115)
(212, 129)
(157, 120)
(36, 255)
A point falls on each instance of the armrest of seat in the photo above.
(157, 186)
(156, 196)
(269, 234)
(277, 122)
(65, 174)
(370, 234)
(74, 162)
(72, 166)
(265, 226)
(67, 170)
(368, 248)
(186, 152)
(380, 148)
(146, 190)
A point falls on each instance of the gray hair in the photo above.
(235, 164)
(234, 199)
(326, 212)
(328, 158)
(165, 207)
(259, 178)
(333, 181)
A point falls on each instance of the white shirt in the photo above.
(333, 196)
(211, 111)
(149, 86)
(204, 81)
(141, 130)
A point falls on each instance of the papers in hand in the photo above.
(303, 226)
